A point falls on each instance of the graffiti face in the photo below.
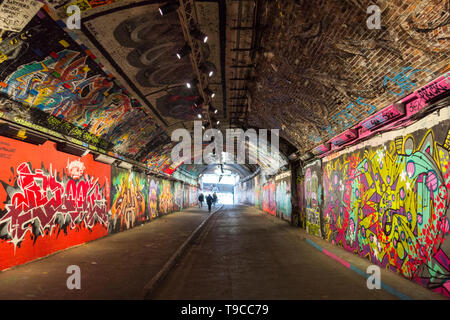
(391, 204)
(128, 199)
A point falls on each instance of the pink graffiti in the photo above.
(42, 203)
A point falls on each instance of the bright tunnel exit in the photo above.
(221, 183)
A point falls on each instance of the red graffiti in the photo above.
(41, 203)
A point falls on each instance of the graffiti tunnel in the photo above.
(216, 145)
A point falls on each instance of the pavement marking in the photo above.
(348, 265)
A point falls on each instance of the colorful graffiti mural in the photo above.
(390, 204)
(153, 198)
(313, 198)
(300, 182)
(258, 192)
(283, 196)
(269, 203)
(50, 201)
(62, 78)
(165, 197)
(178, 196)
(129, 195)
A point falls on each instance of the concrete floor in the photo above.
(246, 254)
(242, 253)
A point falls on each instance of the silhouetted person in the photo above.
(214, 198)
(201, 198)
(209, 201)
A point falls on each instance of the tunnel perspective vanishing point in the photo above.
(332, 116)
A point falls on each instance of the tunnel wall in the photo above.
(273, 196)
(387, 200)
(313, 197)
(50, 200)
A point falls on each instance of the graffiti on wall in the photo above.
(129, 192)
(178, 196)
(283, 197)
(165, 197)
(313, 198)
(153, 198)
(50, 201)
(258, 194)
(390, 204)
(269, 203)
(61, 78)
(301, 198)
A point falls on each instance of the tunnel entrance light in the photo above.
(168, 8)
(183, 51)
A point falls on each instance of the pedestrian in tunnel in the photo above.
(201, 197)
(209, 201)
(214, 199)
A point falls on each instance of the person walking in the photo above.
(201, 198)
(214, 199)
(209, 201)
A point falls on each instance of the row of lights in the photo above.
(207, 68)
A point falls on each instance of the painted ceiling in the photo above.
(309, 68)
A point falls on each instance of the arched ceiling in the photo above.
(321, 70)
(309, 68)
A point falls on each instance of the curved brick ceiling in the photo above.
(325, 71)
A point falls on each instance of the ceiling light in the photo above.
(168, 8)
(199, 116)
(209, 68)
(209, 92)
(183, 51)
(197, 34)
